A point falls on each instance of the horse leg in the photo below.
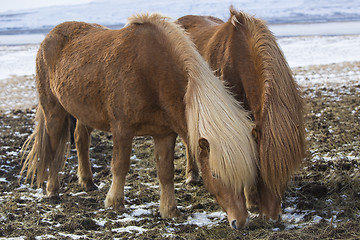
(57, 129)
(120, 167)
(192, 170)
(164, 154)
(82, 137)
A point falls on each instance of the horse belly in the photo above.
(84, 105)
(152, 128)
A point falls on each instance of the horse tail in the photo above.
(211, 111)
(41, 156)
(281, 127)
(35, 161)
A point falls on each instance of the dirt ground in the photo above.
(322, 201)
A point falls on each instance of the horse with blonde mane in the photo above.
(245, 54)
(145, 79)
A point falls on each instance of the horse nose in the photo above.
(235, 226)
(276, 220)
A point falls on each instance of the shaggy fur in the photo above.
(145, 79)
(212, 113)
(282, 144)
(245, 54)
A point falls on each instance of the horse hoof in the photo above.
(90, 186)
(193, 180)
(119, 208)
(116, 204)
(175, 213)
(52, 198)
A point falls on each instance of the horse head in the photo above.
(232, 202)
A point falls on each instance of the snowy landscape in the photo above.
(321, 42)
(309, 32)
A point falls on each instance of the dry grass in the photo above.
(325, 193)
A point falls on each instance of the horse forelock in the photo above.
(282, 143)
(214, 114)
(211, 110)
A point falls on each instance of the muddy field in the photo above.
(322, 201)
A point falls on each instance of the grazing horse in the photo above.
(245, 54)
(145, 79)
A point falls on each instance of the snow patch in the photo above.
(129, 229)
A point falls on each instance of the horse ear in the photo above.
(232, 10)
(204, 144)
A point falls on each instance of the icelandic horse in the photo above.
(244, 53)
(144, 79)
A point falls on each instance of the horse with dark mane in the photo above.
(245, 54)
(145, 79)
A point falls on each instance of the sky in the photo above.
(36, 14)
(13, 5)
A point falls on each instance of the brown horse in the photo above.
(245, 54)
(145, 79)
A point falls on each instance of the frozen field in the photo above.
(17, 65)
(309, 32)
(321, 42)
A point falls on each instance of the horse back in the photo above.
(189, 22)
(200, 29)
(58, 37)
(103, 76)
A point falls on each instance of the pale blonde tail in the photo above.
(40, 156)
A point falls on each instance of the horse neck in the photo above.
(242, 73)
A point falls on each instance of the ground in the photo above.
(321, 202)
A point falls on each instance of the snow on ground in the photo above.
(321, 53)
(344, 73)
(17, 60)
(302, 54)
(332, 27)
(317, 50)
(299, 52)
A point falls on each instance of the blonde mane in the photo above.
(282, 143)
(211, 110)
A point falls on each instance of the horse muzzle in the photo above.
(235, 224)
